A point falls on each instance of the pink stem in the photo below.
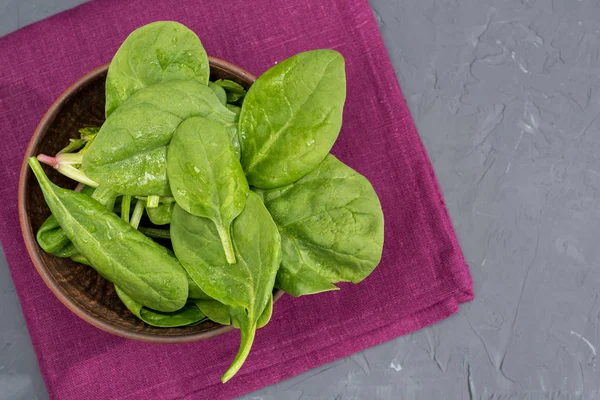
(51, 161)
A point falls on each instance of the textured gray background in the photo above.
(506, 98)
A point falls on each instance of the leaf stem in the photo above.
(137, 214)
(69, 158)
(248, 332)
(67, 169)
(163, 199)
(225, 236)
(153, 201)
(125, 207)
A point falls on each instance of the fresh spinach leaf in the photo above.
(291, 117)
(194, 290)
(206, 177)
(129, 154)
(235, 109)
(189, 314)
(221, 314)
(219, 91)
(214, 310)
(331, 227)
(52, 238)
(158, 52)
(88, 132)
(235, 91)
(160, 215)
(246, 286)
(142, 268)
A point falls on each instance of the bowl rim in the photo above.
(29, 236)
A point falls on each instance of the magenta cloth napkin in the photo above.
(422, 277)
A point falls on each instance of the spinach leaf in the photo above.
(291, 117)
(158, 52)
(89, 132)
(246, 286)
(189, 314)
(219, 91)
(331, 227)
(129, 154)
(206, 177)
(160, 215)
(214, 310)
(235, 109)
(142, 268)
(265, 316)
(156, 233)
(194, 290)
(221, 314)
(52, 238)
(234, 90)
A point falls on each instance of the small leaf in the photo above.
(206, 177)
(219, 92)
(188, 315)
(234, 90)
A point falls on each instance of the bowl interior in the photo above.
(80, 287)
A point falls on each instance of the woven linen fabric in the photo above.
(422, 277)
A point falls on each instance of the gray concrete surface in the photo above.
(506, 96)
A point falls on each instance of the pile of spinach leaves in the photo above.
(243, 182)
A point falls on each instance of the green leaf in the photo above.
(188, 315)
(161, 215)
(158, 52)
(214, 310)
(52, 238)
(219, 91)
(142, 268)
(194, 290)
(246, 286)
(237, 110)
(291, 117)
(234, 90)
(206, 177)
(331, 227)
(88, 132)
(221, 314)
(266, 314)
(130, 152)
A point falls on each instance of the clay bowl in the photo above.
(77, 286)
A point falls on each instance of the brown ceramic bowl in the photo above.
(77, 286)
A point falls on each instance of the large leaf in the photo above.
(206, 177)
(331, 227)
(246, 286)
(143, 269)
(158, 52)
(129, 154)
(188, 315)
(291, 117)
